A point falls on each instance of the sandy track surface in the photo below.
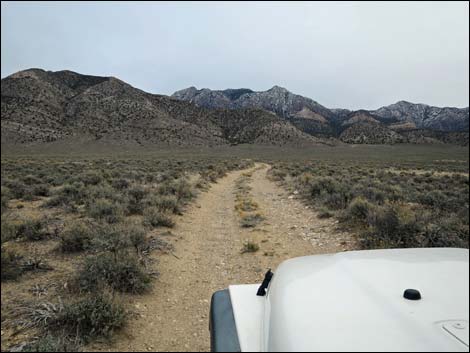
(208, 242)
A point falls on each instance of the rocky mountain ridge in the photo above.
(40, 106)
(397, 123)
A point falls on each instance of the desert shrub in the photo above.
(179, 188)
(155, 218)
(165, 203)
(201, 183)
(53, 343)
(385, 220)
(358, 209)
(447, 232)
(28, 194)
(34, 264)
(210, 176)
(120, 184)
(31, 229)
(337, 200)
(123, 274)
(68, 195)
(250, 220)
(9, 230)
(11, 267)
(32, 180)
(278, 174)
(393, 192)
(96, 315)
(392, 227)
(40, 190)
(323, 212)
(5, 198)
(435, 198)
(104, 209)
(136, 195)
(322, 185)
(112, 238)
(103, 191)
(90, 178)
(76, 237)
(246, 205)
(136, 235)
(372, 194)
(464, 215)
(17, 188)
(249, 247)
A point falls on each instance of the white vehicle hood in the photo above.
(354, 301)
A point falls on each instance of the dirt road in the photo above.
(208, 240)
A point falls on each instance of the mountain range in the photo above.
(39, 106)
(397, 123)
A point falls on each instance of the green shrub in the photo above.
(90, 178)
(123, 274)
(322, 185)
(156, 218)
(244, 204)
(166, 203)
(434, 198)
(96, 315)
(324, 212)
(384, 220)
(447, 232)
(179, 188)
(11, 267)
(250, 220)
(31, 229)
(120, 184)
(103, 191)
(136, 235)
(103, 209)
(76, 237)
(337, 200)
(373, 194)
(359, 209)
(40, 190)
(31, 180)
(136, 195)
(9, 230)
(53, 343)
(249, 247)
(17, 188)
(112, 238)
(68, 196)
(392, 227)
(5, 198)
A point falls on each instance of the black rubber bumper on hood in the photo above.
(224, 336)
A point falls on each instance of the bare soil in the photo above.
(208, 241)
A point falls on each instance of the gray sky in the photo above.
(354, 55)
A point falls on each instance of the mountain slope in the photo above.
(302, 112)
(398, 121)
(425, 116)
(44, 106)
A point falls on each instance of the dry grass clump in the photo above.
(249, 247)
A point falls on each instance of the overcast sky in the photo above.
(353, 55)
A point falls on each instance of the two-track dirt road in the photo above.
(208, 240)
